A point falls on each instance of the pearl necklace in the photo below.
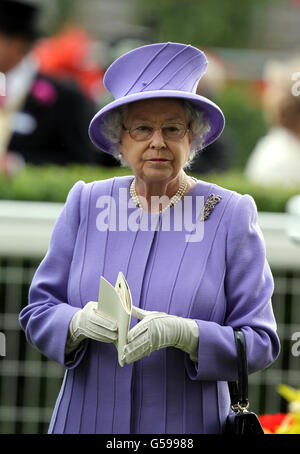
(175, 199)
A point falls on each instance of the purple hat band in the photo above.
(169, 70)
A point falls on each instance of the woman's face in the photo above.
(155, 159)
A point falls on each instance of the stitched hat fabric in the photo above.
(163, 70)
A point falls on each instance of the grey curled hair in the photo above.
(111, 128)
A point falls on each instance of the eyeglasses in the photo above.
(140, 132)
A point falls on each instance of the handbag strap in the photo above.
(239, 390)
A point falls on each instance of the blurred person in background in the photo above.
(276, 157)
(42, 120)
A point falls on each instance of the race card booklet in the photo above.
(116, 303)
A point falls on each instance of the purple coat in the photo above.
(222, 282)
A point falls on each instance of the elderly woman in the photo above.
(190, 286)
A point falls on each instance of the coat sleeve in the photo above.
(48, 314)
(248, 287)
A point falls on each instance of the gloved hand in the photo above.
(90, 323)
(158, 330)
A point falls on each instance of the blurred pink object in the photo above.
(44, 91)
(11, 164)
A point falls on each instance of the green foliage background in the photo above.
(244, 119)
(52, 184)
(216, 23)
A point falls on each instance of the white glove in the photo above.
(158, 330)
(90, 323)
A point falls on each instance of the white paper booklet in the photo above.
(116, 302)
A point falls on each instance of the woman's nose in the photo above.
(157, 140)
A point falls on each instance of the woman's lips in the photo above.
(158, 159)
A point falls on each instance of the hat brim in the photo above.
(210, 109)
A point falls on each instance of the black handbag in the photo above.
(241, 421)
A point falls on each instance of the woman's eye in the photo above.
(172, 128)
(143, 128)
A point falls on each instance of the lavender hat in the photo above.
(164, 70)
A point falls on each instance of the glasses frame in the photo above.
(187, 129)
